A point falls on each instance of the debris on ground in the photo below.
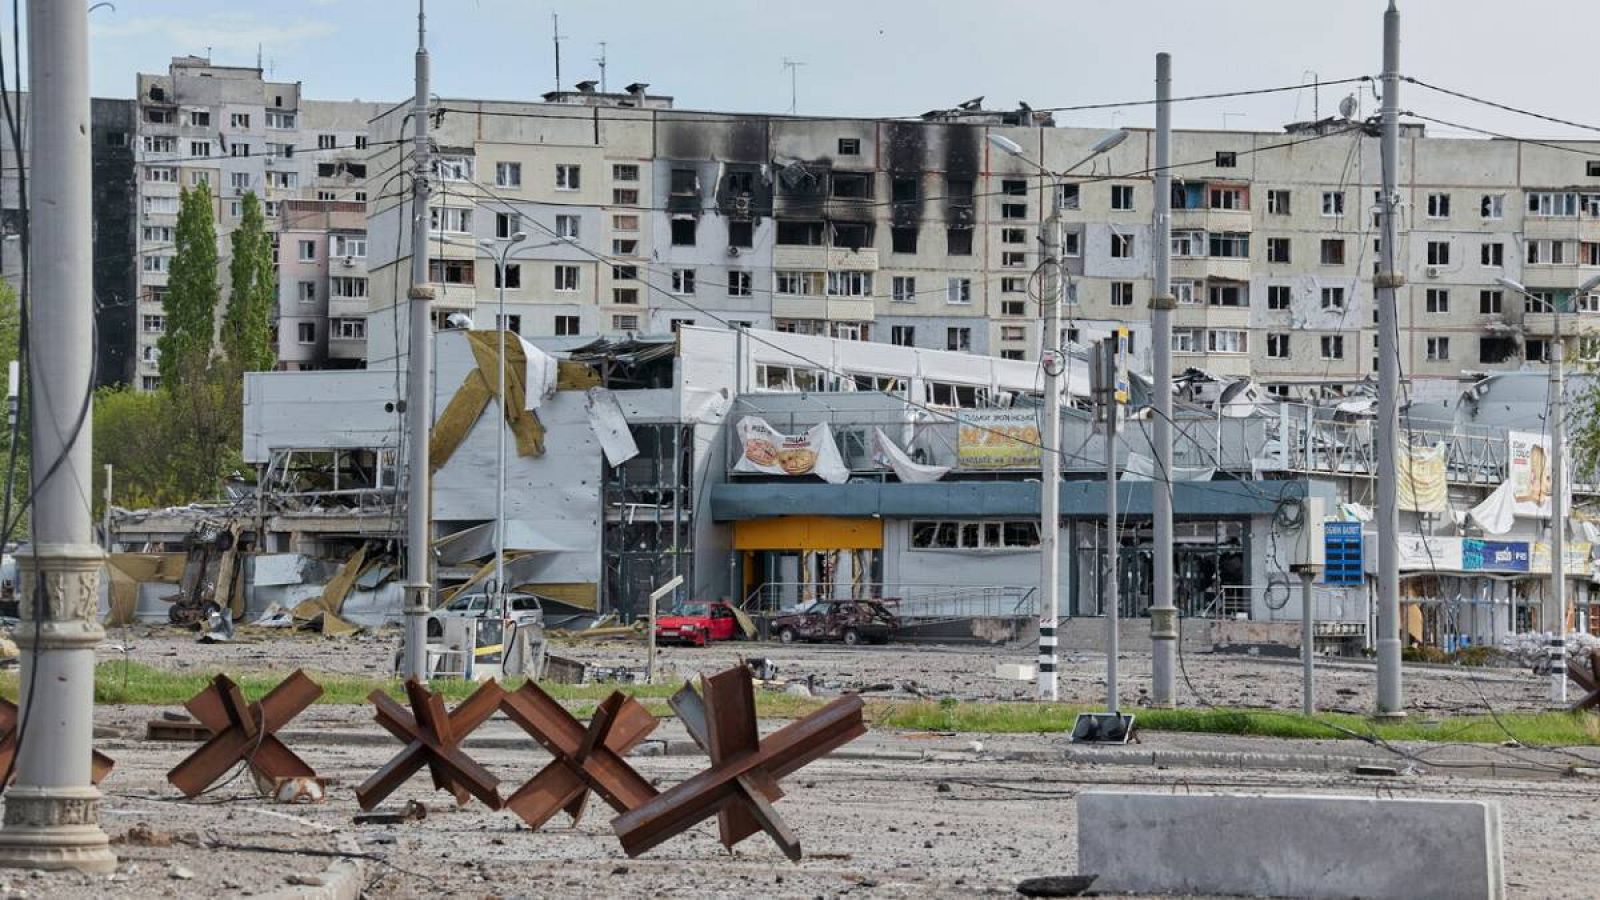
(1055, 885)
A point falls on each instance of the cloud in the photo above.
(226, 34)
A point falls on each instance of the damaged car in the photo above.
(849, 621)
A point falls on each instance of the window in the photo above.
(567, 227)
(1547, 252)
(161, 174)
(1227, 340)
(1548, 204)
(903, 289)
(508, 174)
(269, 208)
(683, 232)
(1122, 196)
(1436, 300)
(851, 185)
(1333, 346)
(1069, 243)
(625, 197)
(306, 332)
(1069, 196)
(798, 284)
(1333, 203)
(1232, 244)
(1492, 253)
(625, 172)
(1227, 293)
(155, 324)
(1278, 345)
(567, 326)
(903, 335)
(1013, 210)
(1539, 302)
(624, 247)
(1186, 340)
(1489, 302)
(1277, 250)
(157, 263)
(1121, 246)
(1536, 350)
(200, 118)
(1183, 293)
(567, 177)
(1438, 253)
(849, 146)
(625, 323)
(1492, 206)
(349, 246)
(1227, 198)
(958, 339)
(307, 291)
(1438, 206)
(350, 329)
(625, 296)
(308, 251)
(958, 291)
(903, 240)
(1189, 243)
(802, 234)
(158, 234)
(1121, 293)
(239, 120)
(327, 195)
(1013, 235)
(160, 205)
(1013, 259)
(281, 151)
(348, 287)
(451, 219)
(1227, 159)
(283, 180)
(683, 281)
(958, 241)
(199, 148)
(567, 278)
(741, 233)
(625, 223)
(281, 121)
(451, 271)
(327, 142)
(506, 224)
(1013, 332)
(157, 143)
(513, 277)
(1013, 308)
(1591, 168)
(1278, 202)
(1438, 349)
(739, 284)
(361, 142)
(1333, 298)
(1333, 251)
(1496, 349)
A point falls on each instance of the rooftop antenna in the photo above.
(258, 57)
(555, 35)
(602, 63)
(1316, 94)
(793, 65)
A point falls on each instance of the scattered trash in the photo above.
(1055, 885)
(179, 873)
(562, 670)
(306, 880)
(413, 811)
(275, 617)
(142, 835)
(761, 668)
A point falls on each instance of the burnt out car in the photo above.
(851, 621)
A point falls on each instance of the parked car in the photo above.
(697, 622)
(523, 609)
(851, 621)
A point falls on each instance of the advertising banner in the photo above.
(765, 449)
(1576, 556)
(998, 439)
(1494, 556)
(1529, 464)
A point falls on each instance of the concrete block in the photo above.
(1014, 671)
(1290, 846)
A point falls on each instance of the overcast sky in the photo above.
(896, 57)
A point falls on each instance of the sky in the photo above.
(897, 57)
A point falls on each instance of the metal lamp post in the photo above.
(1053, 364)
(1556, 607)
(500, 450)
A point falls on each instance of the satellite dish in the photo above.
(1348, 107)
(1238, 400)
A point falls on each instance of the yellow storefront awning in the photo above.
(808, 533)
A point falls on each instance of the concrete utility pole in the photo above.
(52, 812)
(1387, 283)
(1163, 614)
(1556, 609)
(1308, 642)
(1113, 611)
(1049, 456)
(419, 382)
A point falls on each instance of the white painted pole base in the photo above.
(1048, 691)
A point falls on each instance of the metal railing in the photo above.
(908, 601)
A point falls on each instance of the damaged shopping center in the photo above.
(772, 468)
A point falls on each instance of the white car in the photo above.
(524, 609)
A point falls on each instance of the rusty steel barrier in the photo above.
(100, 765)
(245, 732)
(432, 738)
(586, 759)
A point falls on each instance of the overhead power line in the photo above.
(1501, 106)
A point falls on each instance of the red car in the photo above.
(698, 623)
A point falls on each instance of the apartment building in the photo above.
(321, 320)
(921, 233)
(228, 127)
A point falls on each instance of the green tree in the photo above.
(10, 331)
(247, 326)
(192, 291)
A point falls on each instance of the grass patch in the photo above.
(1533, 729)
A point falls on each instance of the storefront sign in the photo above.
(1494, 556)
(1576, 556)
(998, 439)
(765, 449)
(1420, 553)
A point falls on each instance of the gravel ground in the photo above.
(955, 824)
(898, 669)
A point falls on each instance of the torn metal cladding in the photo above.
(245, 732)
(741, 785)
(432, 737)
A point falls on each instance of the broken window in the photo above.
(1333, 251)
(625, 172)
(849, 283)
(1333, 346)
(1121, 246)
(450, 271)
(958, 189)
(904, 289)
(807, 234)
(625, 197)
(741, 233)
(1278, 345)
(624, 247)
(1227, 340)
(798, 284)
(306, 332)
(1069, 196)
(905, 189)
(1227, 198)
(1121, 293)
(1548, 204)
(1333, 298)
(958, 291)
(1277, 250)
(1493, 206)
(1013, 259)
(513, 276)
(852, 235)
(567, 177)
(1493, 253)
(1013, 308)
(1014, 187)
(903, 240)
(1234, 244)
(1013, 235)
(1437, 300)
(1438, 349)
(739, 284)
(1333, 203)
(1438, 206)
(508, 174)
(683, 232)
(954, 339)
(852, 185)
(566, 278)
(624, 273)
(1183, 292)
(683, 281)
(958, 241)
(1069, 243)
(1228, 294)
(1496, 349)
(849, 146)
(903, 335)
(625, 296)
(1013, 210)
(1186, 340)
(1537, 350)
(1189, 243)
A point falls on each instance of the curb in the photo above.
(343, 880)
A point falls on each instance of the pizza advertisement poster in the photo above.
(764, 449)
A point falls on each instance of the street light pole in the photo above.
(500, 449)
(52, 811)
(1387, 282)
(1163, 613)
(419, 382)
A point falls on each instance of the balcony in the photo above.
(347, 307)
(1231, 365)
(347, 348)
(809, 258)
(1199, 268)
(1199, 316)
(1543, 325)
(833, 309)
(1560, 276)
(1212, 219)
